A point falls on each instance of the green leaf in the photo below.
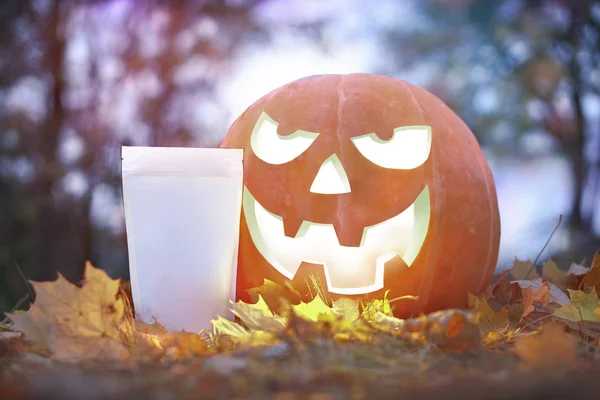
(581, 308)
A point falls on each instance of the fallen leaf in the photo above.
(577, 270)
(581, 308)
(347, 308)
(532, 296)
(78, 323)
(522, 270)
(551, 272)
(552, 348)
(257, 316)
(447, 329)
(377, 306)
(504, 292)
(387, 324)
(556, 295)
(182, 345)
(154, 328)
(575, 275)
(485, 316)
(223, 326)
(341, 328)
(313, 309)
(148, 347)
(592, 278)
(273, 294)
(257, 339)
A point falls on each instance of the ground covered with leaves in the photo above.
(532, 334)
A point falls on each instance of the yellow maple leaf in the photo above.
(582, 307)
(347, 308)
(551, 272)
(522, 270)
(275, 295)
(257, 316)
(78, 323)
(486, 317)
(312, 309)
(258, 338)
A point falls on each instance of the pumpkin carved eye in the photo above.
(275, 149)
(408, 148)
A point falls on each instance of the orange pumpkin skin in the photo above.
(460, 250)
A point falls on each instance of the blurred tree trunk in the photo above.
(59, 221)
(48, 150)
(576, 146)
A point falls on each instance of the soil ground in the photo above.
(328, 370)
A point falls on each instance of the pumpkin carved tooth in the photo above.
(292, 226)
(348, 269)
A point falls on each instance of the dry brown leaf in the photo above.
(592, 278)
(504, 292)
(447, 329)
(556, 295)
(552, 348)
(78, 323)
(540, 295)
(574, 276)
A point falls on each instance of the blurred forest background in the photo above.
(79, 79)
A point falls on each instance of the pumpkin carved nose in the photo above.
(331, 178)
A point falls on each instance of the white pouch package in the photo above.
(182, 216)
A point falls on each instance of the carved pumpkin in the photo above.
(370, 183)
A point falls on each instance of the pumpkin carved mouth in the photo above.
(348, 270)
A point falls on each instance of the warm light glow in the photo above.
(408, 148)
(273, 148)
(348, 270)
(331, 178)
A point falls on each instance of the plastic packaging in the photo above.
(182, 215)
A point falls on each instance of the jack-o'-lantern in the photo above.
(372, 184)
